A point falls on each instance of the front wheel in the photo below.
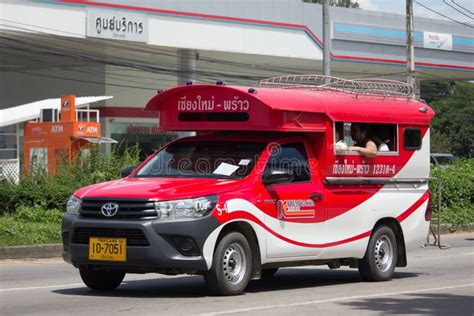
(231, 265)
(101, 280)
(380, 258)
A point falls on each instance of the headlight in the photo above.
(73, 205)
(189, 208)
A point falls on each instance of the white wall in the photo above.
(236, 38)
(58, 20)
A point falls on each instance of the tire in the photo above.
(268, 273)
(380, 258)
(231, 265)
(101, 280)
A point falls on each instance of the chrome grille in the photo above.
(128, 208)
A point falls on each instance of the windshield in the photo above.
(204, 159)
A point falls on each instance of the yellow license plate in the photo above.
(108, 249)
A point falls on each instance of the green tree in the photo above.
(453, 125)
(435, 90)
(337, 3)
(439, 142)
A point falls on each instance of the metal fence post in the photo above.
(439, 213)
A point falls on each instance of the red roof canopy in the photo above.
(220, 107)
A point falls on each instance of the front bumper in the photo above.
(160, 254)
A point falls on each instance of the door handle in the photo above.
(279, 209)
(317, 197)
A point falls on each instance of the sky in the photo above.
(399, 6)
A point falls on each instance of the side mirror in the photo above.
(277, 176)
(127, 171)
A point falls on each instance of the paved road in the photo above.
(435, 282)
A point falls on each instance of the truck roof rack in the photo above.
(374, 87)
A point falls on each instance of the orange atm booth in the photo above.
(58, 135)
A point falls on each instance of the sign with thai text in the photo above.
(346, 168)
(199, 103)
(117, 25)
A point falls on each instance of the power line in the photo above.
(153, 51)
(246, 76)
(440, 14)
(453, 7)
(28, 53)
(136, 64)
(80, 80)
(462, 7)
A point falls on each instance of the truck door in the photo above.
(294, 210)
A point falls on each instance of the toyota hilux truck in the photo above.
(263, 184)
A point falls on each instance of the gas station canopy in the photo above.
(31, 111)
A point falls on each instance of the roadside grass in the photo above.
(30, 212)
(30, 226)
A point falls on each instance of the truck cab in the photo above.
(262, 185)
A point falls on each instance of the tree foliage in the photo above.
(52, 191)
(337, 3)
(455, 183)
(453, 125)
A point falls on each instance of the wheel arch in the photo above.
(398, 231)
(249, 233)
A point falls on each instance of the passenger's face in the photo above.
(356, 133)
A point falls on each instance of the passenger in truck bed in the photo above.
(340, 145)
(363, 144)
(378, 135)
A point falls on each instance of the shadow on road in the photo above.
(193, 286)
(304, 278)
(184, 287)
(417, 304)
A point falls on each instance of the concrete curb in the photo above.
(445, 229)
(34, 252)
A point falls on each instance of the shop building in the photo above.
(132, 49)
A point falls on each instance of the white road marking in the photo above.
(338, 299)
(41, 287)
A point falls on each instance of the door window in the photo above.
(293, 157)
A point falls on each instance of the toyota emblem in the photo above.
(109, 209)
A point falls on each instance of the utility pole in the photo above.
(327, 42)
(410, 49)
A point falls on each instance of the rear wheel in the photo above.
(101, 280)
(380, 258)
(231, 265)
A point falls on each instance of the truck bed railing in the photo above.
(374, 87)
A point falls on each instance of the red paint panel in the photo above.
(286, 109)
(245, 215)
(226, 217)
(414, 207)
(378, 167)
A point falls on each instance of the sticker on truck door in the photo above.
(296, 208)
